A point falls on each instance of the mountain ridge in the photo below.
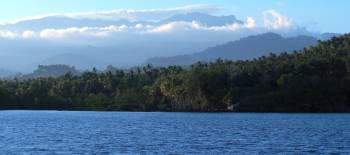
(242, 49)
(61, 21)
(205, 19)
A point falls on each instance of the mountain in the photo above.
(243, 49)
(93, 42)
(204, 19)
(62, 22)
(50, 71)
(97, 46)
(77, 60)
(256, 46)
(6, 73)
(328, 36)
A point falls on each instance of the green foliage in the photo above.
(316, 79)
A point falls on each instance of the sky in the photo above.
(320, 16)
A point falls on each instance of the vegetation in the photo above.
(316, 79)
(50, 71)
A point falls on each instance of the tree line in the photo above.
(316, 79)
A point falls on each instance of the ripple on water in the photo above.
(52, 132)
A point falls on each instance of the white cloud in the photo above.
(130, 14)
(273, 21)
(170, 27)
(276, 20)
(110, 31)
(178, 26)
(7, 34)
(146, 14)
(28, 34)
(192, 26)
(250, 23)
(139, 26)
(230, 27)
(82, 31)
(60, 33)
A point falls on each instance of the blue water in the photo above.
(51, 132)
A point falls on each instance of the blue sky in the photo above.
(322, 16)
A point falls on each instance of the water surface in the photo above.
(54, 132)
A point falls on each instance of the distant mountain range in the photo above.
(204, 19)
(58, 22)
(328, 36)
(50, 71)
(99, 42)
(6, 73)
(62, 22)
(243, 49)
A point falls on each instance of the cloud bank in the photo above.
(127, 37)
(7, 34)
(141, 23)
(272, 19)
(130, 14)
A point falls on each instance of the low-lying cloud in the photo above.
(84, 31)
(7, 34)
(128, 37)
(103, 32)
(130, 14)
(272, 21)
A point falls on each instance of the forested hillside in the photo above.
(316, 79)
